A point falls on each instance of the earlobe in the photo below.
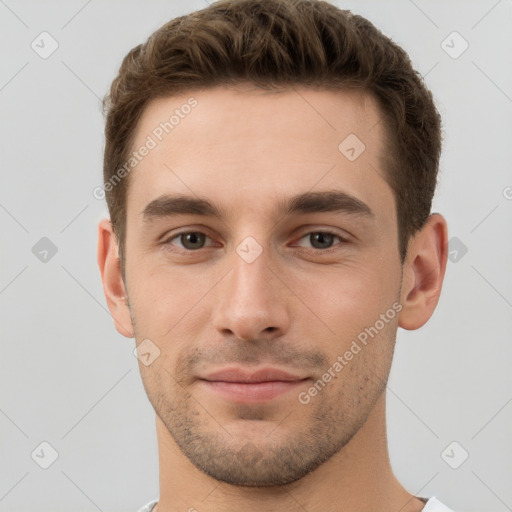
(111, 276)
(423, 273)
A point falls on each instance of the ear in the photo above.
(111, 276)
(423, 273)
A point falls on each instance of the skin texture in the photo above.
(296, 307)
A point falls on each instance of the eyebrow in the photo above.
(168, 205)
(308, 202)
(329, 201)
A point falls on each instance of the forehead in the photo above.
(259, 144)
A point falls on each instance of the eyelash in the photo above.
(168, 241)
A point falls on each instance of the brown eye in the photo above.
(191, 240)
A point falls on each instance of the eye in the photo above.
(320, 239)
(191, 240)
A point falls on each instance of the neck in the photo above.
(359, 477)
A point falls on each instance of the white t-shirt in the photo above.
(432, 505)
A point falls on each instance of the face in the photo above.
(262, 265)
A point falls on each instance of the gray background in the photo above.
(68, 378)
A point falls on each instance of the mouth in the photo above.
(239, 386)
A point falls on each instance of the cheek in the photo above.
(350, 297)
(165, 301)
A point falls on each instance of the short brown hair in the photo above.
(277, 44)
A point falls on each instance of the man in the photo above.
(269, 171)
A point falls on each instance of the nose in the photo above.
(252, 302)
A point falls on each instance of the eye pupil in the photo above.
(192, 240)
(321, 240)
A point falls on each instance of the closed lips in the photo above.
(243, 377)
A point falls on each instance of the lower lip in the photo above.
(252, 392)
